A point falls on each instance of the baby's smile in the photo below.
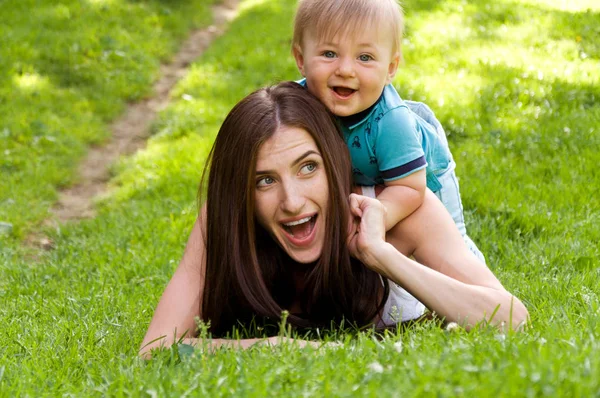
(344, 92)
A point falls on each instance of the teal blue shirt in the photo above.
(388, 141)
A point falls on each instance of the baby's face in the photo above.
(348, 72)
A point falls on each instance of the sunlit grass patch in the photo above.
(169, 169)
(67, 70)
(30, 82)
(566, 5)
(102, 3)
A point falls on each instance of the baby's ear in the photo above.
(393, 67)
(299, 57)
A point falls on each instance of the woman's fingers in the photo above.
(354, 216)
(371, 213)
(370, 226)
(355, 204)
(354, 224)
(278, 340)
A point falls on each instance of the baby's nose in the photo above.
(345, 67)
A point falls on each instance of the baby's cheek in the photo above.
(321, 95)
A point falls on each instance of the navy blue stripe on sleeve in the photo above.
(404, 169)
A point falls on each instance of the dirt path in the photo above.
(130, 132)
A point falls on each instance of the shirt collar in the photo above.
(352, 121)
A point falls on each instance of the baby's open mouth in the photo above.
(301, 228)
(344, 91)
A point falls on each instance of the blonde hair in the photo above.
(327, 18)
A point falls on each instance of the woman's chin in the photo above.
(302, 255)
(305, 258)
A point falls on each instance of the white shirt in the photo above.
(400, 306)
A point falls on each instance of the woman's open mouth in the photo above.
(300, 232)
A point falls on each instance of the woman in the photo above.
(282, 231)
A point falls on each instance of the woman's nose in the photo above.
(293, 199)
(345, 67)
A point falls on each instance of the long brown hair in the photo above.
(247, 274)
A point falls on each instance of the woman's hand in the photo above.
(369, 224)
(279, 340)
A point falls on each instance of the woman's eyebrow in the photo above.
(295, 162)
(305, 154)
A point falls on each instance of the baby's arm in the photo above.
(402, 164)
(403, 196)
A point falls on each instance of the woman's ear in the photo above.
(299, 57)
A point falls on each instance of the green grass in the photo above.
(516, 86)
(66, 69)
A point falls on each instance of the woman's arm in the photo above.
(455, 284)
(174, 317)
(179, 306)
(180, 303)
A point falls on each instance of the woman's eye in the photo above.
(365, 57)
(264, 182)
(329, 54)
(308, 168)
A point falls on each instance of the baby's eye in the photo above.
(329, 54)
(365, 57)
(264, 181)
(308, 168)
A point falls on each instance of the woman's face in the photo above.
(292, 193)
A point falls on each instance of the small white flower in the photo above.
(398, 346)
(500, 337)
(152, 393)
(187, 97)
(375, 367)
(452, 326)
